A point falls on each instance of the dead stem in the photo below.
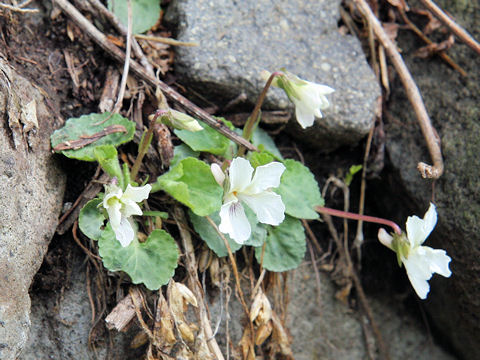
(164, 40)
(195, 286)
(19, 8)
(456, 29)
(140, 71)
(413, 94)
(126, 66)
(443, 55)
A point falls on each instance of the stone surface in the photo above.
(31, 193)
(237, 40)
(332, 331)
(452, 102)
(61, 322)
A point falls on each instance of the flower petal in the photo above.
(130, 208)
(124, 232)
(234, 222)
(137, 194)
(267, 205)
(266, 177)
(240, 174)
(304, 114)
(385, 238)
(114, 214)
(419, 229)
(438, 260)
(217, 173)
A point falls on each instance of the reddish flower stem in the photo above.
(353, 216)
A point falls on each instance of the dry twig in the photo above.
(136, 68)
(19, 8)
(456, 29)
(164, 40)
(413, 94)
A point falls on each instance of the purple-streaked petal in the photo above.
(234, 222)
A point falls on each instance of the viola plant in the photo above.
(259, 199)
(421, 262)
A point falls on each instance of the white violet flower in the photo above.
(121, 206)
(309, 98)
(421, 262)
(255, 192)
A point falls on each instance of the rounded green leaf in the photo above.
(87, 126)
(91, 219)
(145, 13)
(299, 191)
(181, 152)
(191, 182)
(285, 246)
(208, 234)
(261, 137)
(151, 263)
(208, 140)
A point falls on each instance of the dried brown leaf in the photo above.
(263, 332)
(434, 48)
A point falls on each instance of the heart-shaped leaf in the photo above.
(285, 246)
(299, 191)
(91, 219)
(191, 182)
(80, 136)
(152, 263)
(145, 13)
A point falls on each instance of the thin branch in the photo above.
(126, 66)
(443, 55)
(456, 29)
(138, 70)
(19, 8)
(137, 50)
(413, 94)
(164, 40)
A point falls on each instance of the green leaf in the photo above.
(87, 125)
(181, 152)
(152, 263)
(260, 158)
(160, 214)
(145, 13)
(299, 191)
(261, 137)
(107, 157)
(351, 172)
(210, 236)
(208, 140)
(191, 182)
(285, 246)
(91, 219)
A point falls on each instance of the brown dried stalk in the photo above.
(413, 94)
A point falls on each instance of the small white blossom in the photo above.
(255, 192)
(121, 206)
(421, 262)
(309, 98)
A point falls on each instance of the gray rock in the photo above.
(237, 40)
(31, 193)
(452, 102)
(61, 323)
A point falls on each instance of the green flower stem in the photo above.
(349, 215)
(144, 144)
(254, 118)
